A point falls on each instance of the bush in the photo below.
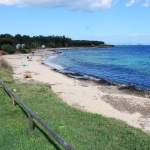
(22, 50)
(8, 49)
(4, 65)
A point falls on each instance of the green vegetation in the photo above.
(8, 49)
(5, 71)
(26, 42)
(82, 130)
(24, 50)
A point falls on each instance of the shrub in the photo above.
(4, 65)
(22, 50)
(8, 49)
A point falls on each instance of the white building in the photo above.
(19, 45)
(43, 46)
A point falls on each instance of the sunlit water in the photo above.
(121, 64)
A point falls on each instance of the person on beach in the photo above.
(29, 58)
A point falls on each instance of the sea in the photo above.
(123, 64)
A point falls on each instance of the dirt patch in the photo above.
(128, 105)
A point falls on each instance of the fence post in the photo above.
(2, 89)
(13, 100)
(30, 122)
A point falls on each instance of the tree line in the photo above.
(8, 40)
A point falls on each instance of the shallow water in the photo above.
(122, 64)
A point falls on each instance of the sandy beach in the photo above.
(107, 100)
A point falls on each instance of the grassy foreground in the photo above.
(82, 130)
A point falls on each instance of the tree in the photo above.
(23, 50)
(18, 39)
(48, 41)
(6, 39)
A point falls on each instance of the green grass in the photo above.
(5, 71)
(82, 130)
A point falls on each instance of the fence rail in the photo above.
(32, 115)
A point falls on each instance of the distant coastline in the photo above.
(105, 46)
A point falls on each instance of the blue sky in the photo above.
(111, 21)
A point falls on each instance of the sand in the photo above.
(109, 101)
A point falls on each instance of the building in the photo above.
(20, 45)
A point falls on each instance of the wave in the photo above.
(49, 61)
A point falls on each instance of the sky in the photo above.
(112, 21)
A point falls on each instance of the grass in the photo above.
(82, 130)
(5, 71)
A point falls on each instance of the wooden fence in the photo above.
(31, 115)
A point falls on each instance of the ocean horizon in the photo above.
(122, 64)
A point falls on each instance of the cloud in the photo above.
(131, 2)
(146, 3)
(131, 35)
(130, 38)
(125, 36)
(88, 5)
(71, 4)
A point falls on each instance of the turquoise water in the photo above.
(122, 64)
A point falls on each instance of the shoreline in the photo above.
(100, 80)
(105, 99)
(130, 89)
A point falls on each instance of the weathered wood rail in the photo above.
(31, 115)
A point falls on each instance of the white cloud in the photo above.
(71, 4)
(131, 2)
(9, 2)
(88, 5)
(146, 3)
(131, 38)
(125, 36)
(136, 35)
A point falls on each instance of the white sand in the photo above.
(85, 95)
